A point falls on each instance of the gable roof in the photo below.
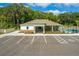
(40, 22)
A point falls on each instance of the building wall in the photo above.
(27, 27)
(61, 28)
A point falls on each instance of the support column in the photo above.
(61, 28)
(52, 28)
(34, 30)
(43, 29)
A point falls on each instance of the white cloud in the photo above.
(67, 5)
(56, 12)
(72, 4)
(44, 5)
(31, 4)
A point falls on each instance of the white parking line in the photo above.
(70, 39)
(7, 40)
(45, 40)
(75, 38)
(57, 39)
(20, 40)
(32, 40)
(61, 40)
(28, 45)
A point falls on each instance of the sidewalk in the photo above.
(16, 33)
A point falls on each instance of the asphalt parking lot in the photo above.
(39, 46)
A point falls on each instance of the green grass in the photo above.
(1, 33)
(49, 32)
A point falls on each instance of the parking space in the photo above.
(70, 39)
(39, 45)
(14, 44)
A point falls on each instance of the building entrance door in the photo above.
(38, 29)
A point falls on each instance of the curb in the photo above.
(42, 35)
(1, 36)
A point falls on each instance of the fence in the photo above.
(71, 27)
(7, 30)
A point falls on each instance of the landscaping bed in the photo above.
(27, 31)
(49, 32)
(1, 33)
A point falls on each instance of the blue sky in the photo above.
(51, 7)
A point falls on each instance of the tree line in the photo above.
(16, 14)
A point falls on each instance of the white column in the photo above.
(52, 28)
(61, 28)
(34, 29)
(43, 29)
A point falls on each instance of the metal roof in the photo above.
(41, 22)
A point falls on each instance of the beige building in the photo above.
(41, 26)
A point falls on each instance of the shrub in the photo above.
(27, 31)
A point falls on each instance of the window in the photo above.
(27, 27)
